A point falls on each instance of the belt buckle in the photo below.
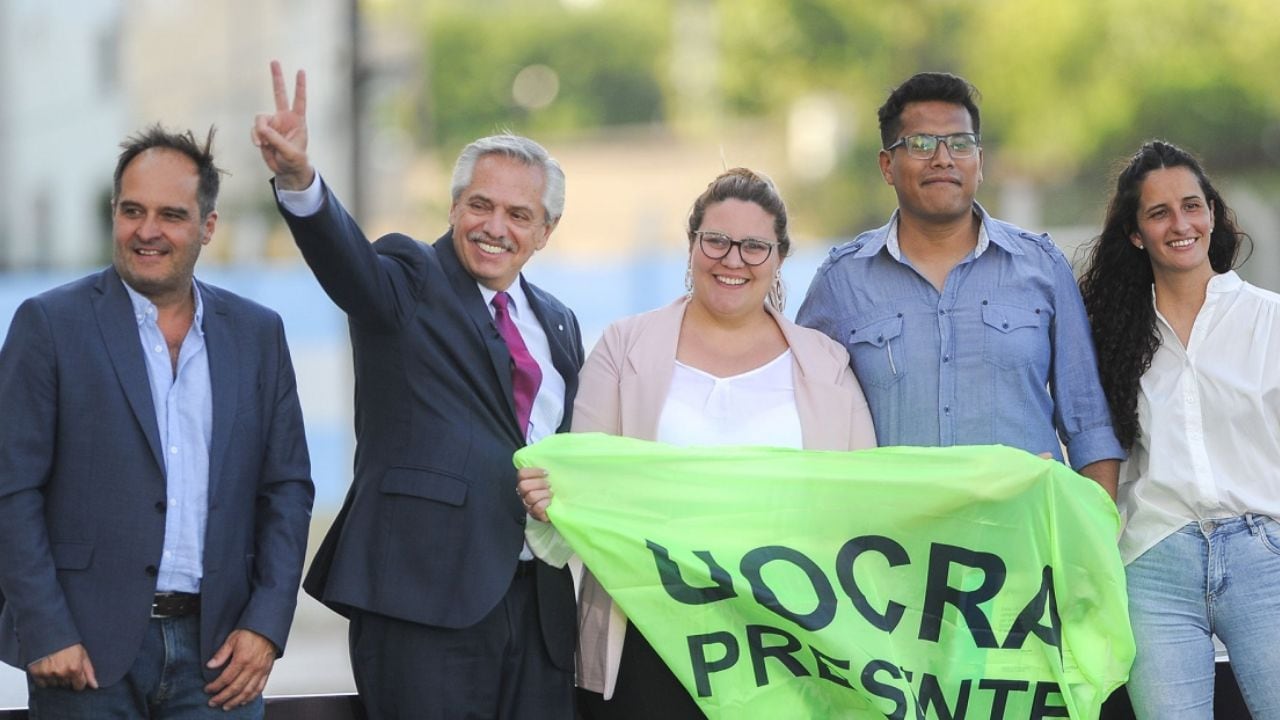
(155, 605)
(172, 604)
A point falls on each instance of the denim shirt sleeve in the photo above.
(818, 311)
(1080, 408)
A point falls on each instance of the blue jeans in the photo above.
(1210, 577)
(165, 681)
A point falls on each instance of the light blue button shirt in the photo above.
(1001, 355)
(184, 414)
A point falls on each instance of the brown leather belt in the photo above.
(175, 604)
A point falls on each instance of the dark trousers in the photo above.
(646, 688)
(497, 669)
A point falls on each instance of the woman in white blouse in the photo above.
(1190, 359)
(720, 366)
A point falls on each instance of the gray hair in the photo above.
(517, 148)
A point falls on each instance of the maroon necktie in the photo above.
(526, 376)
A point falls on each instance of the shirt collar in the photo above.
(1221, 283)
(1224, 282)
(890, 239)
(516, 306)
(144, 309)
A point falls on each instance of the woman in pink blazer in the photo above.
(719, 366)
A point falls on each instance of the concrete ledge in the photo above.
(284, 707)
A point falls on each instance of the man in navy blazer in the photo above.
(155, 489)
(450, 614)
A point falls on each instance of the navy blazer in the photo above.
(432, 527)
(82, 479)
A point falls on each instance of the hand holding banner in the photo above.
(978, 582)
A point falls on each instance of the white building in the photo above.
(62, 116)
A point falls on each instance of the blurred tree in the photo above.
(1068, 88)
(539, 68)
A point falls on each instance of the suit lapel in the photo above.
(222, 349)
(464, 286)
(650, 364)
(559, 330)
(826, 412)
(114, 312)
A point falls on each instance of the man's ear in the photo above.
(551, 226)
(886, 166)
(210, 222)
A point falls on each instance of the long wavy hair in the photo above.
(1117, 281)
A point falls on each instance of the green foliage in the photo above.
(606, 60)
(1068, 88)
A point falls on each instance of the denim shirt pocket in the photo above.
(1014, 336)
(876, 352)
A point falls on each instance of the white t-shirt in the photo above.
(757, 407)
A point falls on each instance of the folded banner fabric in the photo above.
(968, 582)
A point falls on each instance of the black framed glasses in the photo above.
(716, 246)
(922, 146)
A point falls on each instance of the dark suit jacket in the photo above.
(432, 526)
(82, 480)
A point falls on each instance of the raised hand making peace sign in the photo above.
(282, 136)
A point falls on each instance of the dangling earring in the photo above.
(688, 278)
(777, 296)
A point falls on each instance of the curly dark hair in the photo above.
(1116, 283)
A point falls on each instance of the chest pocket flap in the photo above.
(1006, 318)
(877, 333)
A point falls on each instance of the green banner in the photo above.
(968, 582)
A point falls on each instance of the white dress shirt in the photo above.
(1209, 445)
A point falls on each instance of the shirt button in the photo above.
(168, 553)
(173, 449)
(947, 409)
(158, 348)
(946, 358)
(942, 312)
(1005, 326)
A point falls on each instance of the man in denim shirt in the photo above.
(962, 329)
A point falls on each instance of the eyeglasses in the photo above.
(923, 146)
(716, 245)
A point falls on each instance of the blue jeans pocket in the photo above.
(1268, 531)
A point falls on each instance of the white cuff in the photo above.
(302, 203)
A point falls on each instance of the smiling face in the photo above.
(157, 225)
(498, 220)
(940, 189)
(1175, 222)
(729, 287)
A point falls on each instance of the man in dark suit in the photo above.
(155, 490)
(459, 362)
